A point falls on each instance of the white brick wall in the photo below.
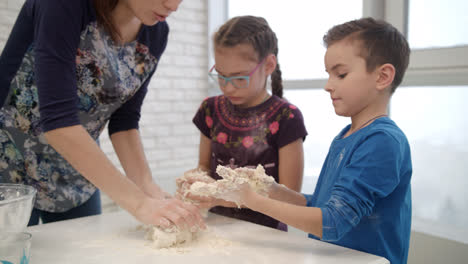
(177, 89)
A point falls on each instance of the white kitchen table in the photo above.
(114, 238)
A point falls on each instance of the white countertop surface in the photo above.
(114, 238)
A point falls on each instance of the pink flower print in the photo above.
(292, 106)
(209, 121)
(247, 141)
(291, 115)
(274, 127)
(222, 138)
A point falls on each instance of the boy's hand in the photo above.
(240, 195)
(204, 201)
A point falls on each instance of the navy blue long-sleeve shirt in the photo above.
(364, 191)
(60, 68)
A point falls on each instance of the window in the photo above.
(322, 126)
(429, 105)
(299, 27)
(435, 121)
(447, 32)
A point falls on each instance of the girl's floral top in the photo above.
(59, 69)
(246, 137)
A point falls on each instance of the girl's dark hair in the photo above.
(256, 32)
(379, 43)
(103, 13)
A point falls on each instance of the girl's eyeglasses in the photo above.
(239, 82)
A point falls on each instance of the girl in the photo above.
(68, 68)
(247, 126)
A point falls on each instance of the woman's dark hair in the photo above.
(256, 32)
(103, 12)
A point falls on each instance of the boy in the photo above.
(363, 196)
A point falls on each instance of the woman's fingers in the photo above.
(163, 222)
(183, 215)
(194, 213)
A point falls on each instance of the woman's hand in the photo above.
(153, 190)
(164, 212)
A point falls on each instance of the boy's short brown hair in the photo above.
(380, 43)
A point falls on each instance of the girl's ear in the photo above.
(385, 76)
(270, 64)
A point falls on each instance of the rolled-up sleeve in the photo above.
(128, 115)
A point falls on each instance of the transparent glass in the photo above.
(16, 205)
(15, 247)
(435, 23)
(322, 126)
(435, 120)
(240, 82)
(299, 26)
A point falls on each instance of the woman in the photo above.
(68, 68)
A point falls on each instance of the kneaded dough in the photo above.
(173, 236)
(168, 237)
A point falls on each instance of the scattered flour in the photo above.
(175, 242)
(168, 237)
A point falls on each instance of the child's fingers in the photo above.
(199, 199)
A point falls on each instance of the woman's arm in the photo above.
(129, 149)
(80, 150)
(291, 165)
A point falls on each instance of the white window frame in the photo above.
(428, 67)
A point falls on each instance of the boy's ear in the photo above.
(385, 76)
(270, 64)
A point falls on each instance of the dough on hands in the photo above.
(204, 185)
(258, 180)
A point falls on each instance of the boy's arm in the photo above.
(288, 207)
(291, 165)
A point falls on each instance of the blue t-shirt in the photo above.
(364, 191)
(60, 68)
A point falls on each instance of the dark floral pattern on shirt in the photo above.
(107, 76)
(247, 137)
(244, 123)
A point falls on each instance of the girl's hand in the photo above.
(164, 212)
(191, 176)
